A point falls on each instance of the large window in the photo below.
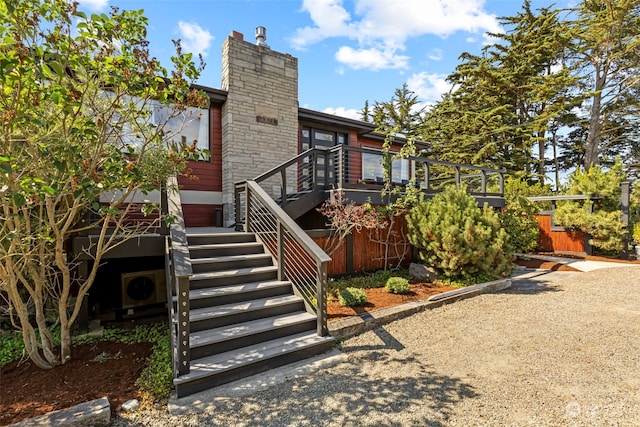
(188, 126)
(372, 169)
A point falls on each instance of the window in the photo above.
(372, 168)
(189, 126)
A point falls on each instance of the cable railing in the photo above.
(299, 259)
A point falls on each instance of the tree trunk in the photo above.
(591, 155)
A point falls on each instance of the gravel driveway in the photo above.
(566, 353)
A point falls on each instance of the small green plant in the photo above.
(352, 297)
(365, 280)
(11, 348)
(397, 285)
(636, 233)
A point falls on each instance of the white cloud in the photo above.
(373, 59)
(435, 54)
(428, 87)
(385, 26)
(350, 113)
(96, 5)
(194, 38)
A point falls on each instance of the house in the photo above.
(272, 164)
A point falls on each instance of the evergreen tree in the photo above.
(606, 57)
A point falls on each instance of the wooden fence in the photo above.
(366, 250)
(558, 239)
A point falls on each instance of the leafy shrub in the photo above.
(599, 218)
(518, 215)
(156, 379)
(636, 233)
(397, 285)
(352, 297)
(457, 238)
(377, 279)
(11, 348)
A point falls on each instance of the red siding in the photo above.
(207, 175)
(558, 241)
(200, 215)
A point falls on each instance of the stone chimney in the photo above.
(260, 116)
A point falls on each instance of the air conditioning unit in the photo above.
(143, 288)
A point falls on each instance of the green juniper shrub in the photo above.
(397, 285)
(459, 239)
(352, 297)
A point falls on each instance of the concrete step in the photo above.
(220, 295)
(197, 238)
(218, 340)
(224, 249)
(230, 262)
(224, 315)
(229, 366)
(231, 277)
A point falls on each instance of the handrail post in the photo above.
(321, 297)
(237, 207)
(326, 169)
(283, 188)
(247, 209)
(281, 245)
(184, 353)
(501, 184)
(458, 178)
(340, 172)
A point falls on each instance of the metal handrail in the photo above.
(179, 272)
(288, 237)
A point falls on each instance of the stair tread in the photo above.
(252, 327)
(233, 289)
(241, 307)
(212, 365)
(232, 272)
(227, 258)
(221, 245)
(229, 233)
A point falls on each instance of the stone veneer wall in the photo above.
(260, 116)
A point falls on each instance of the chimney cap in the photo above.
(261, 36)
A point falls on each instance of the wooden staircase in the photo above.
(242, 319)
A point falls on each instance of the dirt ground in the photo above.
(102, 369)
(110, 369)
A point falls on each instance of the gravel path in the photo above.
(563, 354)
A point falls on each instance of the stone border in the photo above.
(92, 413)
(354, 325)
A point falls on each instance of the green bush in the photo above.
(397, 285)
(518, 215)
(600, 218)
(11, 348)
(365, 280)
(352, 297)
(457, 238)
(156, 379)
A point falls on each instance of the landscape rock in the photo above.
(94, 413)
(423, 272)
(130, 405)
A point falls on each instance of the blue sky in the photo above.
(348, 51)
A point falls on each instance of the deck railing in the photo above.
(356, 169)
(299, 259)
(178, 271)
